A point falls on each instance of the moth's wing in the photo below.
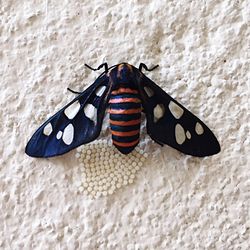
(168, 122)
(77, 123)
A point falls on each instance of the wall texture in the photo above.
(176, 202)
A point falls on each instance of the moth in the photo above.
(127, 92)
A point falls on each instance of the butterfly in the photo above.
(127, 92)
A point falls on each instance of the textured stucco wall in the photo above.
(177, 202)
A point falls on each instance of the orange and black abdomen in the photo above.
(125, 119)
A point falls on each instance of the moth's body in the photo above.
(124, 109)
(125, 91)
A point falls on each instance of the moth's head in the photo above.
(124, 70)
(123, 74)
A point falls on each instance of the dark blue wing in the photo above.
(168, 122)
(79, 122)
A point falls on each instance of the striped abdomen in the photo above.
(125, 119)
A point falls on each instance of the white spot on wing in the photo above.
(179, 134)
(59, 135)
(100, 90)
(149, 91)
(91, 112)
(72, 110)
(188, 135)
(48, 129)
(68, 134)
(176, 110)
(199, 129)
(159, 111)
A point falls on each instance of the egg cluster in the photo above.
(104, 169)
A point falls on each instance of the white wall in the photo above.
(178, 202)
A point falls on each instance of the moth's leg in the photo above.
(73, 91)
(105, 65)
(142, 65)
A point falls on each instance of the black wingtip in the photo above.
(29, 152)
(32, 150)
(209, 149)
(217, 148)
